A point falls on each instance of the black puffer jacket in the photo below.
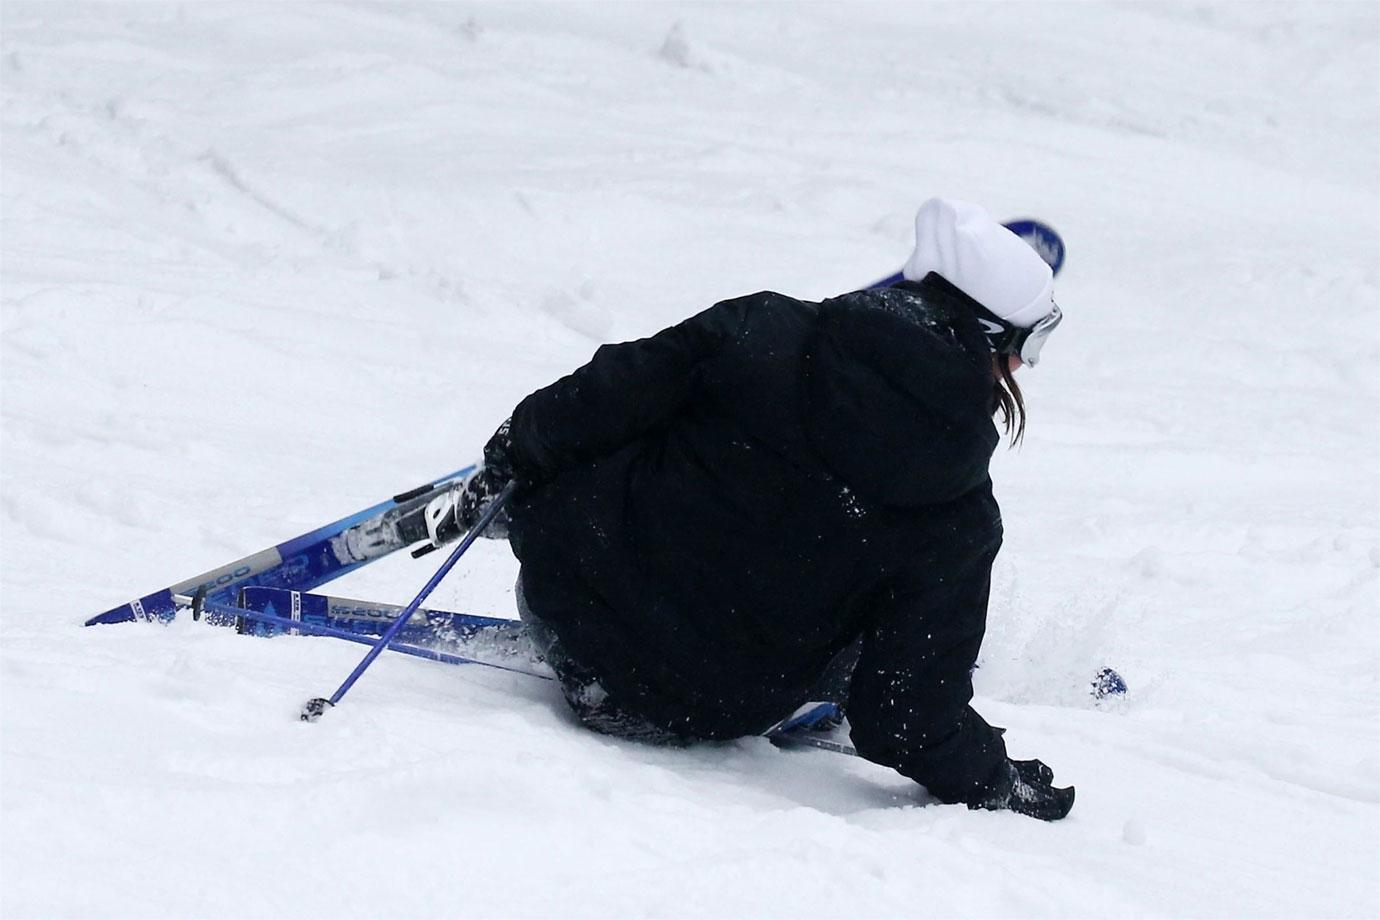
(722, 507)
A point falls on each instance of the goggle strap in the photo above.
(1003, 337)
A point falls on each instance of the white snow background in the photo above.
(264, 265)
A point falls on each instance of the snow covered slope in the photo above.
(263, 264)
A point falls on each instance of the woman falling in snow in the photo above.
(713, 520)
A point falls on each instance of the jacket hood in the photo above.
(899, 393)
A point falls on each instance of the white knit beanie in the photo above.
(982, 259)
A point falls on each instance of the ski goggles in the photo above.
(1007, 339)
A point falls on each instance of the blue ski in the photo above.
(474, 639)
(450, 638)
(362, 618)
(302, 563)
(270, 624)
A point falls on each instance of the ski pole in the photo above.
(314, 708)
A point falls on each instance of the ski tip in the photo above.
(1041, 237)
(160, 606)
(1107, 683)
(315, 709)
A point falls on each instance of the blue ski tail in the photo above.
(302, 563)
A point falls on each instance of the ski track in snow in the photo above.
(263, 264)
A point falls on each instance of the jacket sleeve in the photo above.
(623, 392)
(908, 701)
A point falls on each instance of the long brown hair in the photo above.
(1009, 400)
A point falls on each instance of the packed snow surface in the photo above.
(267, 264)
